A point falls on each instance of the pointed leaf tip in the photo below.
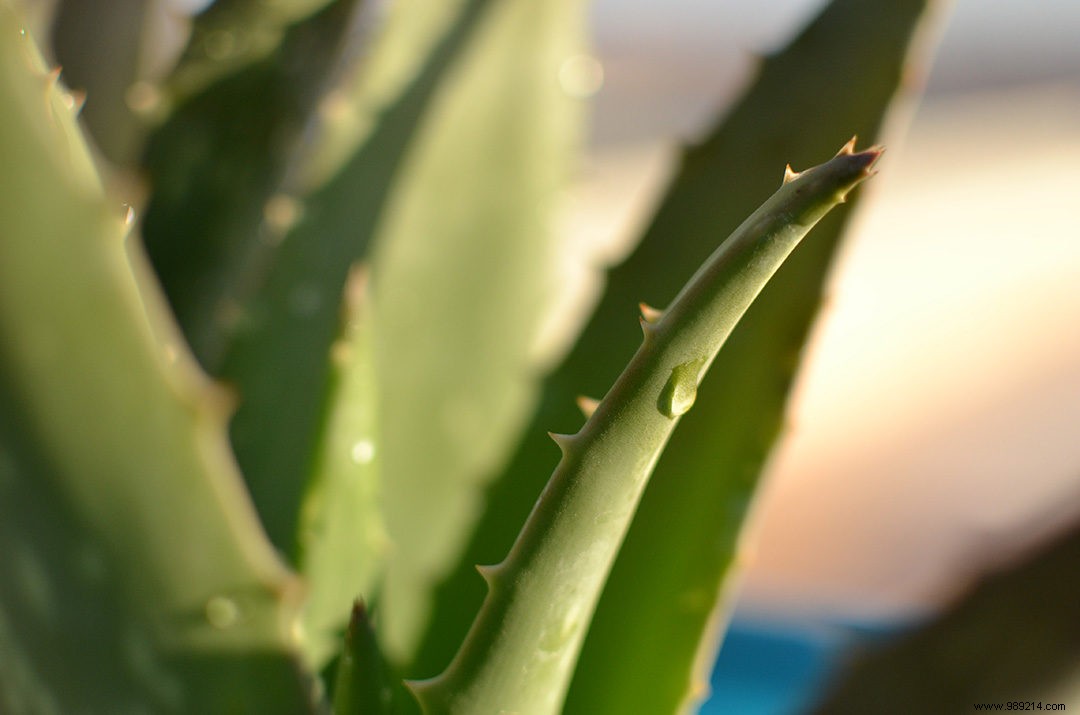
(849, 147)
(487, 572)
(648, 327)
(649, 313)
(360, 615)
(563, 440)
(587, 405)
(866, 158)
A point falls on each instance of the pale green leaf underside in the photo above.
(462, 271)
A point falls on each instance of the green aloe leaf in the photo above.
(137, 577)
(217, 167)
(341, 540)
(521, 651)
(231, 35)
(839, 74)
(837, 77)
(363, 685)
(280, 355)
(461, 273)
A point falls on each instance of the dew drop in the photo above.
(281, 213)
(680, 390)
(222, 612)
(362, 452)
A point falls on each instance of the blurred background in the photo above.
(934, 429)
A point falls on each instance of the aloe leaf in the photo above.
(398, 57)
(121, 502)
(1010, 637)
(839, 76)
(520, 653)
(231, 35)
(462, 272)
(363, 683)
(341, 537)
(217, 167)
(841, 71)
(280, 355)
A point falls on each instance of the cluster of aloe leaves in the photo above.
(270, 349)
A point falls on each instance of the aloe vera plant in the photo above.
(521, 650)
(316, 393)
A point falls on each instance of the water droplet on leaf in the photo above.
(281, 212)
(680, 390)
(363, 452)
(222, 612)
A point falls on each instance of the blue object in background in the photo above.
(780, 668)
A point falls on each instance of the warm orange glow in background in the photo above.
(937, 425)
(936, 429)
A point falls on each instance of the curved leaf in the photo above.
(461, 273)
(520, 654)
(838, 75)
(121, 502)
